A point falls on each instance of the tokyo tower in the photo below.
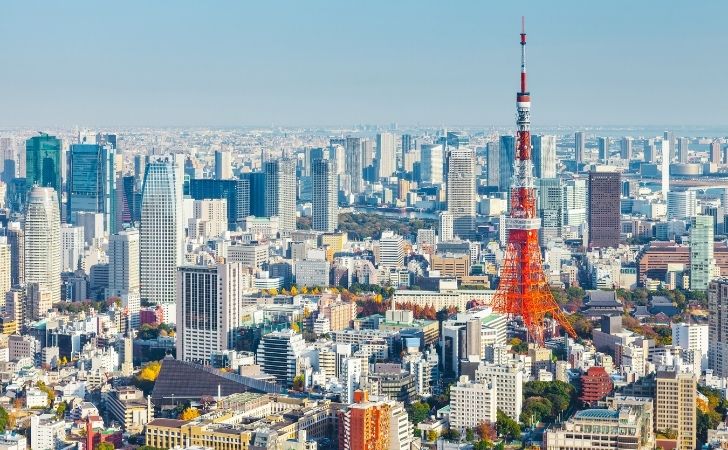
(523, 290)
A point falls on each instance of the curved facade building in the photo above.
(43, 242)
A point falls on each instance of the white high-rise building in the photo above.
(692, 336)
(574, 202)
(280, 193)
(544, 156)
(508, 382)
(446, 227)
(161, 236)
(43, 242)
(351, 376)
(682, 204)
(209, 309)
(354, 164)
(665, 168)
(325, 195)
(461, 195)
(432, 163)
(209, 219)
(46, 431)
(72, 247)
(5, 270)
(471, 404)
(124, 279)
(625, 148)
(223, 165)
(391, 250)
(386, 155)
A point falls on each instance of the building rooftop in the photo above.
(597, 414)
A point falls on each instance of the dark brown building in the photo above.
(604, 195)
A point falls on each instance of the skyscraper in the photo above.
(386, 155)
(161, 238)
(72, 246)
(669, 136)
(355, 164)
(223, 165)
(5, 270)
(325, 195)
(507, 157)
(681, 204)
(575, 202)
(493, 161)
(280, 192)
(714, 152)
(209, 309)
(665, 168)
(625, 148)
(702, 262)
(408, 144)
(579, 147)
(16, 240)
(43, 243)
(445, 229)
(124, 278)
(461, 195)
(649, 151)
(550, 208)
(43, 162)
(236, 192)
(604, 209)
(717, 332)
(364, 424)
(544, 156)
(92, 182)
(682, 149)
(603, 144)
(675, 406)
(432, 161)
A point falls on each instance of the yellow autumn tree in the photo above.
(150, 372)
(189, 413)
(294, 291)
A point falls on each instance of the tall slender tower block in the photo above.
(523, 290)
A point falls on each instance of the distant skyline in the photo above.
(306, 63)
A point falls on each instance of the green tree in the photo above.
(536, 409)
(469, 435)
(61, 409)
(482, 445)
(507, 427)
(518, 346)
(418, 412)
(298, 381)
(4, 419)
(105, 446)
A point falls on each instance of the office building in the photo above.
(603, 146)
(544, 156)
(683, 145)
(44, 162)
(717, 332)
(695, 336)
(604, 209)
(124, 278)
(354, 164)
(507, 158)
(461, 195)
(649, 151)
(669, 137)
(209, 310)
(432, 164)
(278, 354)
(492, 150)
(714, 155)
(72, 247)
(16, 241)
(161, 238)
(209, 219)
(91, 184)
(5, 270)
(42, 242)
(624, 427)
(324, 207)
(391, 250)
(47, 432)
(675, 405)
(595, 385)
(550, 208)
(240, 196)
(223, 165)
(280, 192)
(471, 404)
(702, 261)
(386, 155)
(625, 148)
(665, 171)
(682, 204)
(579, 147)
(575, 208)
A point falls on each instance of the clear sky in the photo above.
(311, 62)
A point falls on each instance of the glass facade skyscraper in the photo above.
(236, 192)
(92, 182)
(43, 160)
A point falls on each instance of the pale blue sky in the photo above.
(310, 62)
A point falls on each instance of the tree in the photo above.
(61, 410)
(469, 435)
(507, 427)
(432, 436)
(150, 372)
(105, 446)
(419, 412)
(482, 445)
(535, 409)
(487, 432)
(298, 381)
(189, 413)
(519, 346)
(4, 419)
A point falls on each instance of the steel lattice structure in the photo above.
(523, 290)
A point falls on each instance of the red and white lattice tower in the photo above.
(523, 290)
